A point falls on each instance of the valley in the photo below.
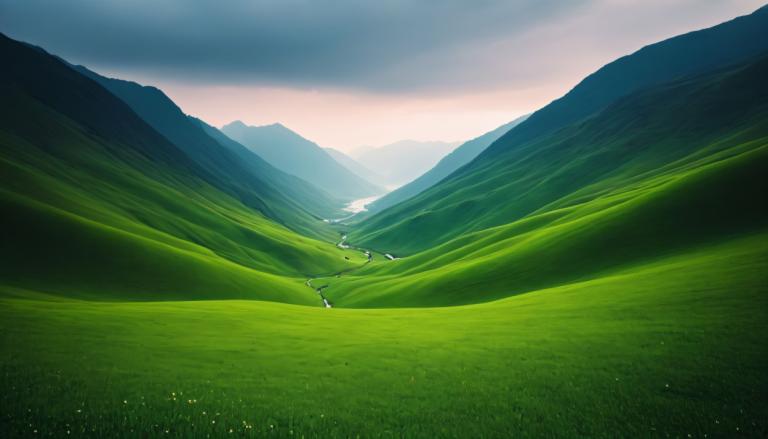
(359, 205)
(597, 268)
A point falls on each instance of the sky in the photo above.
(346, 73)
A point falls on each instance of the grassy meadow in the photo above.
(671, 348)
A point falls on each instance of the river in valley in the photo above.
(357, 206)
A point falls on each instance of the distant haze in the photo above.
(346, 73)
(400, 162)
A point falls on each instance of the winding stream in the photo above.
(342, 244)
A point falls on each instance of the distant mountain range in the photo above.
(459, 157)
(356, 167)
(219, 155)
(292, 153)
(400, 162)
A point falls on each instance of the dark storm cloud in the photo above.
(361, 44)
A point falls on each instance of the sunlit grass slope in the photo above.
(96, 203)
(673, 347)
(665, 215)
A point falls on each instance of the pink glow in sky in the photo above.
(524, 80)
(345, 120)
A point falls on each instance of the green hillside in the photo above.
(238, 171)
(298, 156)
(669, 168)
(97, 204)
(696, 52)
(664, 216)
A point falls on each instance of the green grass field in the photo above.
(672, 348)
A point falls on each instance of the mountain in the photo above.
(240, 172)
(298, 156)
(663, 172)
(102, 206)
(695, 52)
(356, 167)
(523, 172)
(403, 161)
(305, 195)
(459, 157)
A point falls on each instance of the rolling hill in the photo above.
(298, 156)
(671, 348)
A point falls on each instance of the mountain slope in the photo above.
(403, 161)
(696, 52)
(459, 157)
(659, 172)
(527, 169)
(356, 167)
(302, 193)
(99, 205)
(297, 156)
(248, 178)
